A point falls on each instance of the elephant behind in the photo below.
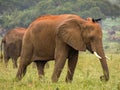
(12, 44)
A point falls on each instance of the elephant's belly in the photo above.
(43, 55)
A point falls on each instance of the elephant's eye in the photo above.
(92, 38)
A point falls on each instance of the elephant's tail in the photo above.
(1, 57)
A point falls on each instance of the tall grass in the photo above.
(86, 76)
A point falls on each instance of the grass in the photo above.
(86, 76)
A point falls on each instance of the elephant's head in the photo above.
(84, 35)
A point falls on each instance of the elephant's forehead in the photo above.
(95, 29)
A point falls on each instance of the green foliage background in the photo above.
(14, 13)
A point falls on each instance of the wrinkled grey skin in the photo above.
(12, 44)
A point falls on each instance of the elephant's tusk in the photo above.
(97, 55)
(100, 57)
(107, 58)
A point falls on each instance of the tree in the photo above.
(20, 13)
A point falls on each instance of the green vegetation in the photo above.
(15, 13)
(111, 45)
(86, 76)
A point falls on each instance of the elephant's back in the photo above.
(14, 34)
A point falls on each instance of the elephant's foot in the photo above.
(41, 76)
(68, 80)
(104, 78)
(18, 77)
(15, 66)
(54, 79)
(21, 72)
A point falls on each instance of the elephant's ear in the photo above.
(69, 32)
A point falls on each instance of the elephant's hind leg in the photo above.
(72, 61)
(40, 67)
(14, 63)
(22, 68)
(6, 60)
(25, 59)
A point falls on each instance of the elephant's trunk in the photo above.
(100, 53)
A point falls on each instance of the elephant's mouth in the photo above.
(89, 48)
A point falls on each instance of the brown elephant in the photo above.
(12, 44)
(58, 37)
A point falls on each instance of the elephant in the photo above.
(61, 37)
(12, 44)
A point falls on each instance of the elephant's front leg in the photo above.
(59, 64)
(40, 67)
(61, 53)
(72, 61)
